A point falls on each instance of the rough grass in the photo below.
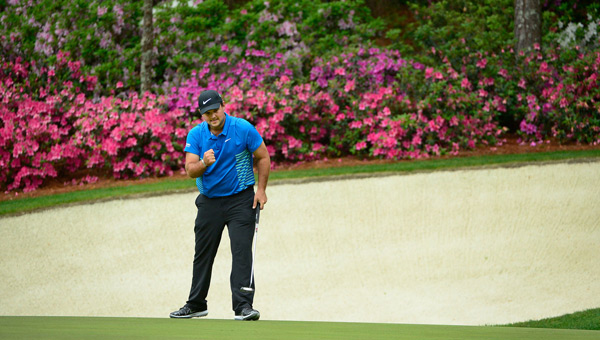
(589, 319)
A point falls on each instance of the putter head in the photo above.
(247, 289)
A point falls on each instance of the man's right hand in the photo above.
(209, 158)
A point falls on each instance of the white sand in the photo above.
(470, 247)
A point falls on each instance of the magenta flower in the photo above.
(355, 124)
(428, 72)
(544, 68)
(360, 146)
(465, 84)
(528, 128)
(294, 143)
(350, 85)
(102, 11)
(482, 63)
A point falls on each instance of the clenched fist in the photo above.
(209, 157)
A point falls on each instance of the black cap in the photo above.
(209, 100)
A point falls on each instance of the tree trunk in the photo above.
(528, 24)
(147, 47)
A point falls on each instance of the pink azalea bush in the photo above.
(366, 102)
(46, 133)
(559, 96)
(373, 102)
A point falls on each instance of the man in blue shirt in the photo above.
(219, 155)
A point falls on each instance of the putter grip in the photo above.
(257, 212)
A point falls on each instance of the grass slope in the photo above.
(589, 319)
(140, 328)
(168, 185)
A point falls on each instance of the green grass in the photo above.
(440, 164)
(139, 328)
(22, 205)
(589, 319)
(170, 185)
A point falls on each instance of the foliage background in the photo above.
(386, 79)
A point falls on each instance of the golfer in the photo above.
(219, 155)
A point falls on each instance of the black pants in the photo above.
(213, 214)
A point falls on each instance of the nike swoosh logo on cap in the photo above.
(204, 102)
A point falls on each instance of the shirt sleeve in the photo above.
(192, 143)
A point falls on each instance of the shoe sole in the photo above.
(249, 317)
(189, 316)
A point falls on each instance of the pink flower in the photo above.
(390, 142)
(119, 84)
(454, 121)
(522, 84)
(544, 68)
(428, 72)
(355, 124)
(110, 146)
(294, 143)
(102, 11)
(465, 83)
(529, 129)
(284, 79)
(455, 149)
(486, 107)
(350, 85)
(482, 63)
(563, 102)
(360, 145)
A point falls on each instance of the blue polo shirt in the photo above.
(232, 172)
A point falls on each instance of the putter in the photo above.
(249, 288)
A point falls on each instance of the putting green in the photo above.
(135, 328)
(476, 247)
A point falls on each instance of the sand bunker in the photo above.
(470, 247)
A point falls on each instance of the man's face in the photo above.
(215, 119)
